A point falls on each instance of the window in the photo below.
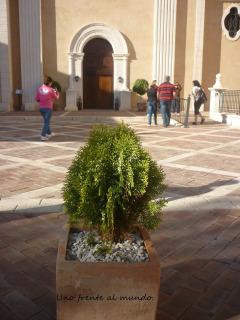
(231, 22)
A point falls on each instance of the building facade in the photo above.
(97, 49)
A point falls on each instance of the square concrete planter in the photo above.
(107, 291)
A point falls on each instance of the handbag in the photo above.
(201, 96)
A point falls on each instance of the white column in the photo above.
(120, 80)
(120, 62)
(198, 42)
(31, 50)
(75, 90)
(125, 68)
(5, 59)
(164, 39)
(215, 91)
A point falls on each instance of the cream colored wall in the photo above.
(180, 45)
(212, 45)
(189, 51)
(15, 50)
(230, 61)
(134, 19)
(61, 19)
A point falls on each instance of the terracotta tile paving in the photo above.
(162, 153)
(8, 144)
(226, 133)
(38, 152)
(10, 182)
(31, 125)
(236, 192)
(58, 138)
(151, 138)
(212, 138)
(168, 134)
(231, 150)
(18, 133)
(188, 183)
(5, 162)
(199, 249)
(62, 162)
(60, 129)
(189, 144)
(232, 130)
(75, 145)
(6, 128)
(211, 161)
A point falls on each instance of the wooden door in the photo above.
(98, 75)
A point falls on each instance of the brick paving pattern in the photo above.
(198, 241)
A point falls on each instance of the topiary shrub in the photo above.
(113, 184)
(140, 86)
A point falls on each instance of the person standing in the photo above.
(152, 103)
(166, 93)
(196, 92)
(176, 100)
(45, 96)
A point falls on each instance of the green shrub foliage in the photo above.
(113, 183)
(140, 86)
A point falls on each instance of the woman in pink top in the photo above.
(45, 96)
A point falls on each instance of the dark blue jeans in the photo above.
(46, 114)
(152, 110)
(166, 111)
(176, 105)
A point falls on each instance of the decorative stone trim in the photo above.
(76, 56)
(231, 33)
(99, 30)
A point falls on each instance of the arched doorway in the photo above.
(76, 57)
(98, 75)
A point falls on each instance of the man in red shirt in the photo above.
(166, 93)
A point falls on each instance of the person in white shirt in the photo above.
(196, 91)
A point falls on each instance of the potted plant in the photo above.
(140, 87)
(113, 189)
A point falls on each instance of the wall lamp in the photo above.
(76, 78)
(120, 80)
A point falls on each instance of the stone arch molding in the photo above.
(120, 62)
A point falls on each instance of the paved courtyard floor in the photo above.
(198, 241)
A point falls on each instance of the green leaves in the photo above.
(140, 86)
(112, 182)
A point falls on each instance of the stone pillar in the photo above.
(218, 82)
(31, 50)
(120, 76)
(120, 84)
(164, 39)
(5, 59)
(215, 91)
(125, 99)
(75, 89)
(198, 40)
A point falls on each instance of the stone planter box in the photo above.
(107, 290)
